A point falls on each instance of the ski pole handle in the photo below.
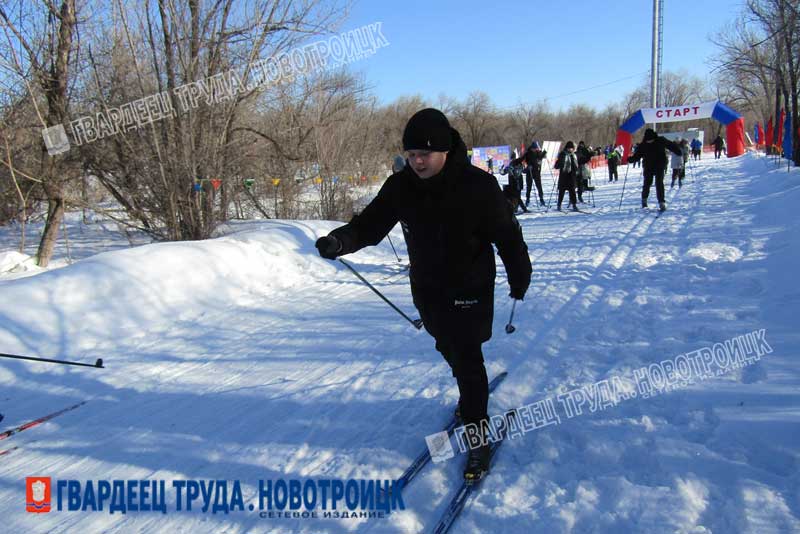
(510, 328)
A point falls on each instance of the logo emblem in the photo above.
(37, 494)
(439, 446)
(55, 139)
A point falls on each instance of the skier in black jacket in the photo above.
(398, 163)
(584, 156)
(652, 150)
(513, 191)
(567, 165)
(451, 213)
(719, 145)
(533, 157)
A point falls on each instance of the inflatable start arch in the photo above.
(734, 123)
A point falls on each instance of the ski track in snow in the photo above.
(250, 358)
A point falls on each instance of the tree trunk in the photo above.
(777, 114)
(789, 39)
(55, 214)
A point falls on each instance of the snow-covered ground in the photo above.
(248, 357)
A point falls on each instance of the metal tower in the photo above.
(655, 61)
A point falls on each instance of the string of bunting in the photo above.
(215, 183)
(249, 182)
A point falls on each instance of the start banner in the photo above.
(686, 112)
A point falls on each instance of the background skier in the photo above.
(533, 157)
(584, 155)
(697, 148)
(398, 163)
(652, 150)
(718, 146)
(614, 157)
(513, 191)
(676, 163)
(567, 164)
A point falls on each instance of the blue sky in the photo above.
(525, 51)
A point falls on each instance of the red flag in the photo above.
(779, 126)
(769, 133)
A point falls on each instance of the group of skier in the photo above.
(529, 166)
(575, 179)
(573, 164)
(573, 167)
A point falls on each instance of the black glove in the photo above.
(517, 293)
(544, 152)
(328, 247)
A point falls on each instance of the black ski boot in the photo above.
(662, 206)
(477, 464)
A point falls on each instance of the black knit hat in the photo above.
(427, 129)
(569, 145)
(650, 134)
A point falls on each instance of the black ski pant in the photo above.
(460, 321)
(566, 188)
(717, 153)
(466, 362)
(532, 177)
(515, 192)
(677, 174)
(612, 172)
(649, 175)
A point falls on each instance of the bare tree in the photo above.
(44, 35)
(474, 117)
(180, 176)
(758, 59)
(528, 121)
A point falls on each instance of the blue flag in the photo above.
(755, 133)
(787, 137)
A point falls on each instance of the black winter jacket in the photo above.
(534, 158)
(654, 154)
(567, 179)
(584, 155)
(450, 222)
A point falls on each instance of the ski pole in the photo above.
(98, 363)
(416, 322)
(627, 168)
(393, 249)
(510, 327)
